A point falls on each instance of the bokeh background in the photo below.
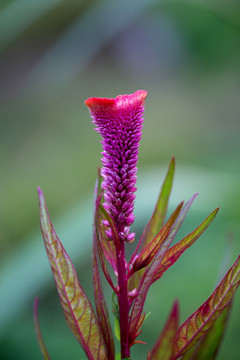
(53, 55)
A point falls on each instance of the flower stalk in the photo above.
(123, 302)
(119, 121)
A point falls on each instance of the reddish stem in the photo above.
(123, 300)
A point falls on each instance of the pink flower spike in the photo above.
(119, 121)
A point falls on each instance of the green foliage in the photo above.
(199, 337)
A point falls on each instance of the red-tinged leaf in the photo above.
(148, 253)
(207, 347)
(149, 274)
(200, 322)
(101, 306)
(138, 327)
(165, 344)
(77, 309)
(158, 216)
(100, 302)
(41, 344)
(100, 235)
(107, 217)
(135, 280)
(109, 251)
(108, 246)
(157, 219)
(181, 218)
(177, 250)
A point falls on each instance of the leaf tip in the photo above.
(193, 198)
(173, 161)
(172, 165)
(214, 212)
(175, 309)
(40, 196)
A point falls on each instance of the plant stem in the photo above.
(123, 301)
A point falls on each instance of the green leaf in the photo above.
(77, 309)
(177, 250)
(115, 305)
(147, 316)
(117, 329)
(165, 344)
(204, 318)
(41, 344)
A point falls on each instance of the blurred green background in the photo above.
(53, 55)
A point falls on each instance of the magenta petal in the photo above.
(120, 102)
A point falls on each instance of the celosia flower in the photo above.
(119, 121)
